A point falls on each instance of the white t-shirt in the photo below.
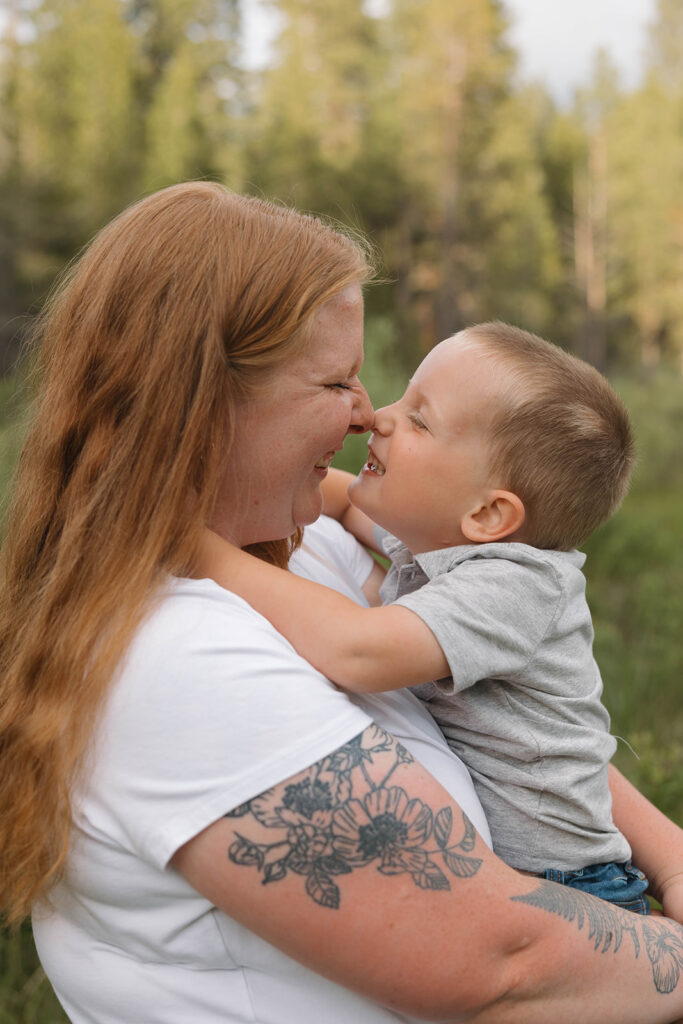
(212, 707)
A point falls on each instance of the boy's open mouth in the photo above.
(373, 464)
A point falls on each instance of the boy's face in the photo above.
(428, 461)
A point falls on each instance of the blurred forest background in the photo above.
(484, 199)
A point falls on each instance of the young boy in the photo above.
(503, 455)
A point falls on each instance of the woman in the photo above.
(221, 834)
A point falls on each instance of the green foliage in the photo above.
(11, 436)
(26, 996)
(656, 407)
(645, 211)
(635, 589)
(484, 199)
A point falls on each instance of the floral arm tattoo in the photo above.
(343, 813)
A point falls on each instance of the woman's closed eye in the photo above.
(349, 384)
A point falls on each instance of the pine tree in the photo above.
(646, 206)
(190, 89)
(475, 239)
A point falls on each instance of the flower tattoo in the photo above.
(348, 812)
(342, 814)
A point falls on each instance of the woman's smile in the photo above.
(324, 463)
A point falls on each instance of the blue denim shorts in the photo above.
(621, 884)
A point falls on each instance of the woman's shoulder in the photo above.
(179, 594)
(211, 707)
(203, 652)
(198, 628)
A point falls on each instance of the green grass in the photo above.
(12, 428)
(26, 996)
(635, 588)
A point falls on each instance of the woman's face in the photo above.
(285, 438)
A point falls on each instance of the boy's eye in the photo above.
(417, 421)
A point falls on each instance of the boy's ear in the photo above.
(501, 515)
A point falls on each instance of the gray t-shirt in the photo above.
(533, 732)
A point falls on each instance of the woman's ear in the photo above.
(501, 515)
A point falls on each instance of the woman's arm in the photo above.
(336, 504)
(364, 869)
(362, 649)
(656, 842)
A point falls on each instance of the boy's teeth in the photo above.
(376, 467)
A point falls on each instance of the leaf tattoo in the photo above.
(607, 926)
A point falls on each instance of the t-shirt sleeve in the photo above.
(380, 535)
(213, 708)
(489, 616)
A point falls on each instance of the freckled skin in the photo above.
(280, 435)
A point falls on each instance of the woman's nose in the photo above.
(362, 413)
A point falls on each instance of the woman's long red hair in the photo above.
(180, 306)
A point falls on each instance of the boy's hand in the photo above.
(672, 898)
(337, 505)
(335, 499)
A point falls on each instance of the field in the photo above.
(635, 588)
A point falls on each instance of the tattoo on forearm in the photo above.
(342, 815)
(607, 925)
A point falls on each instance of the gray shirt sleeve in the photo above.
(489, 616)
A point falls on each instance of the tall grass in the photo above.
(635, 588)
(12, 418)
(26, 996)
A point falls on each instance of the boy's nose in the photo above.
(384, 418)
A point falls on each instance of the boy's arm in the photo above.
(363, 649)
(372, 585)
(334, 491)
(336, 504)
(656, 842)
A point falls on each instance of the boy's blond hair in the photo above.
(561, 440)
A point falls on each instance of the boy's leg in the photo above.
(621, 884)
